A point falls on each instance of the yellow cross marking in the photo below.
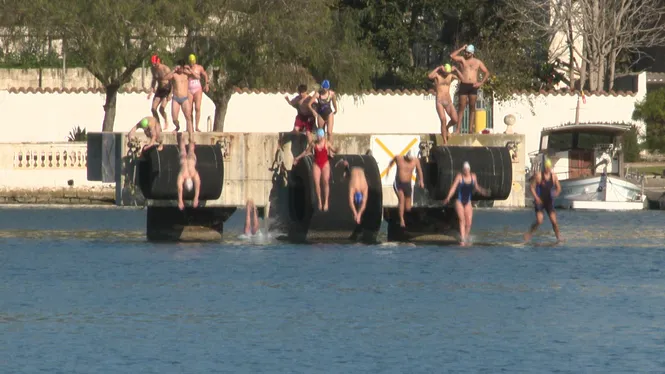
(392, 156)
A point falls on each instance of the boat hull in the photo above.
(591, 192)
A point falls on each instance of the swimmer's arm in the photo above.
(534, 181)
(132, 131)
(486, 73)
(364, 204)
(352, 203)
(480, 190)
(153, 136)
(204, 74)
(557, 185)
(393, 161)
(334, 101)
(455, 55)
(453, 188)
(197, 188)
(433, 73)
(169, 76)
(421, 181)
(311, 102)
(305, 152)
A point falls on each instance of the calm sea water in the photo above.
(81, 291)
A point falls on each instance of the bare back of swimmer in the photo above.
(358, 190)
(188, 177)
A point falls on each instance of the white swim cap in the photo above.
(408, 154)
(466, 166)
(189, 184)
(471, 49)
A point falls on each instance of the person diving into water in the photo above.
(251, 219)
(358, 189)
(464, 184)
(188, 177)
(321, 150)
(545, 188)
(151, 129)
(402, 186)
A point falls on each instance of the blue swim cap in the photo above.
(325, 84)
(320, 133)
(358, 198)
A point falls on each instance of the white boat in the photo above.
(588, 160)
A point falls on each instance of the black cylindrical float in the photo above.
(158, 173)
(307, 223)
(492, 165)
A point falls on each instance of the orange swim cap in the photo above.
(154, 59)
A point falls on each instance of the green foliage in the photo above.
(78, 135)
(651, 110)
(631, 148)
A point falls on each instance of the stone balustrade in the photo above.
(49, 156)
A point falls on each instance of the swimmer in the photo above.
(188, 177)
(469, 85)
(464, 184)
(321, 150)
(180, 98)
(304, 119)
(163, 91)
(545, 188)
(321, 105)
(358, 190)
(194, 73)
(443, 76)
(402, 186)
(251, 219)
(151, 129)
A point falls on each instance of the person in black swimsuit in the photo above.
(323, 105)
(163, 90)
(545, 188)
(465, 184)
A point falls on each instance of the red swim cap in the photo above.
(154, 59)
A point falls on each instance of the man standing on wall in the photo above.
(163, 91)
(469, 85)
(180, 98)
(402, 185)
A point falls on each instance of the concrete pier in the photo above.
(257, 166)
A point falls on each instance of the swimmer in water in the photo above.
(188, 177)
(545, 188)
(251, 219)
(402, 186)
(194, 73)
(151, 129)
(304, 119)
(469, 85)
(163, 91)
(324, 106)
(358, 189)
(464, 184)
(180, 98)
(443, 77)
(322, 151)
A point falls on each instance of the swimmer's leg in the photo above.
(198, 97)
(316, 173)
(534, 226)
(331, 122)
(450, 109)
(248, 214)
(442, 118)
(175, 113)
(555, 225)
(400, 198)
(468, 214)
(255, 226)
(187, 109)
(325, 173)
(472, 114)
(156, 101)
(459, 209)
(162, 111)
(463, 101)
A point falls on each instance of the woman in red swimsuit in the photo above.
(321, 150)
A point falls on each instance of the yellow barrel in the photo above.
(481, 120)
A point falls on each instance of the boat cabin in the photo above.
(582, 150)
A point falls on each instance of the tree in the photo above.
(276, 45)
(651, 110)
(114, 37)
(608, 29)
